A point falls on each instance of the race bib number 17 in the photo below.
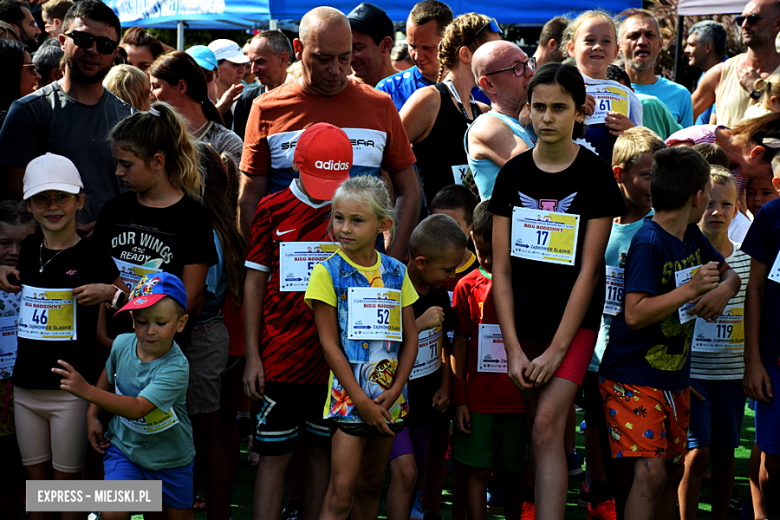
(545, 236)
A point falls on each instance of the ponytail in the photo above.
(161, 130)
(211, 112)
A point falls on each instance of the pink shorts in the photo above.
(575, 362)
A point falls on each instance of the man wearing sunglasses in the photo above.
(502, 71)
(72, 117)
(640, 42)
(730, 85)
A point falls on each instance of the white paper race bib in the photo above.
(296, 261)
(724, 333)
(428, 354)
(155, 422)
(491, 355)
(545, 236)
(47, 314)
(774, 273)
(683, 277)
(131, 274)
(615, 284)
(374, 313)
(608, 99)
(8, 326)
(462, 175)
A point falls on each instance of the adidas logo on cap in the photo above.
(332, 165)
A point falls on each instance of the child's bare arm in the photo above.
(441, 398)
(132, 408)
(711, 305)
(255, 288)
(459, 355)
(408, 353)
(756, 381)
(643, 309)
(95, 436)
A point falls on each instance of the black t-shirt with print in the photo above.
(164, 238)
(586, 188)
(420, 391)
(79, 265)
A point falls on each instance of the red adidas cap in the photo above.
(323, 155)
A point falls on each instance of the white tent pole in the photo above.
(272, 24)
(180, 35)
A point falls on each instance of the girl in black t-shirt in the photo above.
(553, 209)
(160, 224)
(63, 280)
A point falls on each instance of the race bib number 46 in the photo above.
(374, 313)
(545, 236)
(296, 261)
(47, 314)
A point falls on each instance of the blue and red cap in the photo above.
(154, 287)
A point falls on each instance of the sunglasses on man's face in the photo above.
(84, 40)
(752, 19)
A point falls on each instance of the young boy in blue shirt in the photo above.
(150, 436)
(645, 371)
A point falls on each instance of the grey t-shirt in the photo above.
(48, 120)
(224, 141)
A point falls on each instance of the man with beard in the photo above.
(74, 117)
(19, 16)
(640, 42)
(731, 84)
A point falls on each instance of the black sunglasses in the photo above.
(518, 69)
(752, 19)
(84, 40)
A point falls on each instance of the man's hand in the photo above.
(747, 78)
(230, 96)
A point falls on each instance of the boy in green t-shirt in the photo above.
(150, 436)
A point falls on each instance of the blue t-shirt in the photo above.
(216, 286)
(162, 439)
(657, 355)
(401, 86)
(615, 256)
(674, 95)
(762, 244)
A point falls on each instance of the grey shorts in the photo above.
(208, 356)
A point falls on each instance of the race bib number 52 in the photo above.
(374, 313)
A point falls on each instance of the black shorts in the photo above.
(297, 406)
(359, 429)
(594, 405)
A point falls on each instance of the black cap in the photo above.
(372, 20)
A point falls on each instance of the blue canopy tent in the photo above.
(248, 14)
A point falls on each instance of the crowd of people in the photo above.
(295, 243)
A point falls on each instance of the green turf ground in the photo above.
(242, 490)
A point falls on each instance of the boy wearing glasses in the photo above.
(502, 71)
(73, 117)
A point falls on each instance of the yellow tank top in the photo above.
(731, 100)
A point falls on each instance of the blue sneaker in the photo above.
(417, 511)
(574, 463)
(582, 428)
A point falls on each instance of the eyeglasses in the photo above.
(752, 19)
(42, 201)
(32, 67)
(518, 69)
(84, 40)
(493, 24)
